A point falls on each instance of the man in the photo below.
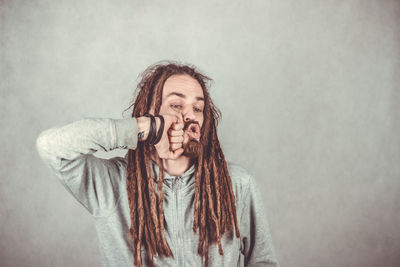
(173, 200)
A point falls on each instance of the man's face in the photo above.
(183, 96)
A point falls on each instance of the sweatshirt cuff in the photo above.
(126, 131)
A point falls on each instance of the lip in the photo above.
(193, 130)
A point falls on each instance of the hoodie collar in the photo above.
(188, 173)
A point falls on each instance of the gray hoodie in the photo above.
(100, 186)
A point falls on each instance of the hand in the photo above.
(171, 142)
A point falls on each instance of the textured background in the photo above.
(309, 92)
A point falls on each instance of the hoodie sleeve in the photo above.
(256, 241)
(68, 152)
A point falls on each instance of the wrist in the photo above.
(150, 127)
(143, 128)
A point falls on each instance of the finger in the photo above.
(177, 126)
(175, 146)
(176, 139)
(175, 133)
(180, 118)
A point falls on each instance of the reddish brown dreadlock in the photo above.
(214, 206)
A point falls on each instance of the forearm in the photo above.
(59, 145)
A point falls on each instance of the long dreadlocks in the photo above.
(214, 205)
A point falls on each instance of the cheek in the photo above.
(164, 109)
(200, 120)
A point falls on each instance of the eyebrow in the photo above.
(198, 98)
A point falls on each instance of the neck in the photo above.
(174, 167)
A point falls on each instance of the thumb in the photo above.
(179, 122)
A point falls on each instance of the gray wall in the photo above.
(309, 92)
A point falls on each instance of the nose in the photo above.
(188, 115)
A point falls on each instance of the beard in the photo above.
(192, 149)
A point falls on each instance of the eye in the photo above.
(176, 106)
(197, 109)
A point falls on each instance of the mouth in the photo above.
(193, 130)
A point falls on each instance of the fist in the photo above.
(171, 142)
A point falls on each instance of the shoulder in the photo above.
(241, 178)
(238, 173)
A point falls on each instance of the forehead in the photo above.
(182, 84)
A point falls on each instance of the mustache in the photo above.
(187, 123)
